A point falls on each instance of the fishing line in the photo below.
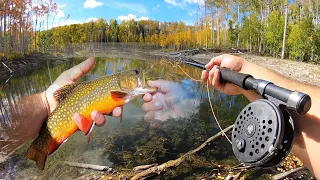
(221, 130)
(211, 106)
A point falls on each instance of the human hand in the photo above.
(231, 62)
(172, 101)
(69, 77)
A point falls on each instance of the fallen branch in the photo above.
(143, 167)
(174, 163)
(7, 67)
(285, 174)
(90, 166)
(235, 176)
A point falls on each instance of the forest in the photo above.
(277, 28)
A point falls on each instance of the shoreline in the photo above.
(299, 71)
(22, 66)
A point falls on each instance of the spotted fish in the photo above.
(103, 94)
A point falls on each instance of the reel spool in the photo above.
(263, 134)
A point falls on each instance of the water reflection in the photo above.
(130, 143)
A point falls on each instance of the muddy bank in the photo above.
(300, 71)
(303, 72)
(28, 64)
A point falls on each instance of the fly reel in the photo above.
(263, 134)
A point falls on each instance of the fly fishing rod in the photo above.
(263, 132)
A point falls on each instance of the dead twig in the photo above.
(90, 166)
(174, 163)
(7, 67)
(235, 176)
(143, 167)
(285, 174)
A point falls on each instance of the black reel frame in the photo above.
(263, 132)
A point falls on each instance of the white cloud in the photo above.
(92, 4)
(194, 1)
(132, 16)
(66, 22)
(92, 19)
(156, 8)
(192, 12)
(183, 3)
(174, 3)
(60, 13)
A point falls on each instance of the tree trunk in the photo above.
(0, 36)
(225, 34)
(284, 32)
(317, 15)
(261, 32)
(20, 33)
(47, 37)
(212, 31)
(238, 33)
(218, 31)
(5, 30)
(35, 33)
(205, 21)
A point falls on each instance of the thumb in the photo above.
(163, 85)
(81, 69)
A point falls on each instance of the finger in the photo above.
(204, 75)
(214, 61)
(216, 80)
(80, 122)
(98, 118)
(147, 97)
(79, 70)
(152, 106)
(117, 112)
(211, 74)
(163, 85)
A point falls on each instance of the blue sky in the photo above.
(162, 10)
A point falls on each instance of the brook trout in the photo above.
(103, 94)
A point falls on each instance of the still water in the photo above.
(132, 142)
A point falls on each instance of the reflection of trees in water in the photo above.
(140, 144)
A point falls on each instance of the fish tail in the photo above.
(37, 154)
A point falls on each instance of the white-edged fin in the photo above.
(59, 146)
(89, 134)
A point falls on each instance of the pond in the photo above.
(132, 142)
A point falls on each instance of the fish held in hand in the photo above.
(103, 94)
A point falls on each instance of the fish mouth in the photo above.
(141, 91)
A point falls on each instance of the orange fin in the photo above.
(89, 134)
(37, 155)
(118, 94)
(63, 92)
(86, 125)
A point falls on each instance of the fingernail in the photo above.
(157, 104)
(76, 117)
(95, 115)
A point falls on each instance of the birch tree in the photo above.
(284, 31)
